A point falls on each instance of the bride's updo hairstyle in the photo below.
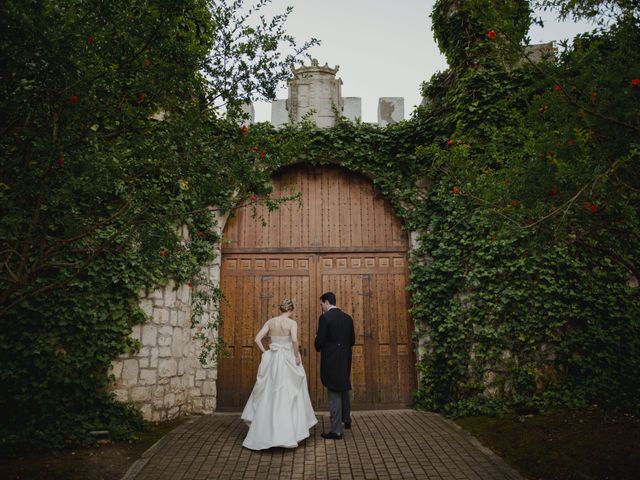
(286, 305)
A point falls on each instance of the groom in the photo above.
(334, 340)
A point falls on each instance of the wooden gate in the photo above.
(342, 237)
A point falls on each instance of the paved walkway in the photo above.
(387, 444)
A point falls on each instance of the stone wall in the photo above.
(165, 378)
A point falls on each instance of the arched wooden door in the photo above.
(342, 237)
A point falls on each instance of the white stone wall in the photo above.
(165, 378)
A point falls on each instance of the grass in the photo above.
(563, 444)
(105, 461)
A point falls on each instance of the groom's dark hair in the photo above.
(328, 297)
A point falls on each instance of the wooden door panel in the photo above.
(254, 287)
(336, 210)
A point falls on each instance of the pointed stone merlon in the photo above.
(279, 114)
(247, 109)
(352, 108)
(390, 110)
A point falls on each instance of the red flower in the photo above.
(493, 238)
(554, 191)
(73, 99)
(254, 198)
(587, 205)
(595, 208)
(635, 82)
(90, 40)
(594, 95)
(557, 87)
(525, 253)
(491, 34)
(262, 154)
(244, 130)
(163, 253)
(456, 190)
(254, 149)
(514, 203)
(141, 97)
(449, 142)
(570, 141)
(61, 160)
(190, 284)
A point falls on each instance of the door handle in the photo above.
(367, 334)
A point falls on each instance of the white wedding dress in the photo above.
(279, 411)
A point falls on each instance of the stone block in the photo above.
(148, 376)
(146, 305)
(208, 388)
(160, 316)
(140, 394)
(209, 405)
(164, 340)
(143, 362)
(177, 345)
(135, 332)
(191, 381)
(122, 395)
(149, 335)
(390, 110)
(146, 411)
(156, 294)
(198, 404)
(170, 294)
(167, 367)
(158, 415)
(352, 108)
(169, 399)
(201, 374)
(184, 294)
(175, 385)
(116, 368)
(279, 114)
(144, 352)
(164, 352)
(153, 360)
(130, 372)
(181, 367)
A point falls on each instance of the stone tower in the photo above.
(315, 88)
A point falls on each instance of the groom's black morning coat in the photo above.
(334, 340)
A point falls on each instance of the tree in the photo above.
(110, 142)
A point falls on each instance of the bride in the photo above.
(279, 411)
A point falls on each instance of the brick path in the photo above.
(387, 444)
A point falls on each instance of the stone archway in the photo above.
(343, 237)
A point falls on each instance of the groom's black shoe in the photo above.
(331, 436)
(347, 425)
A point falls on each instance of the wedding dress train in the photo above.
(279, 411)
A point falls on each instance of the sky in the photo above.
(385, 48)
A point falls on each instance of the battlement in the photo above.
(315, 94)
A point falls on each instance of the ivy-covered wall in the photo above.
(520, 180)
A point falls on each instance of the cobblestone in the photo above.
(386, 444)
